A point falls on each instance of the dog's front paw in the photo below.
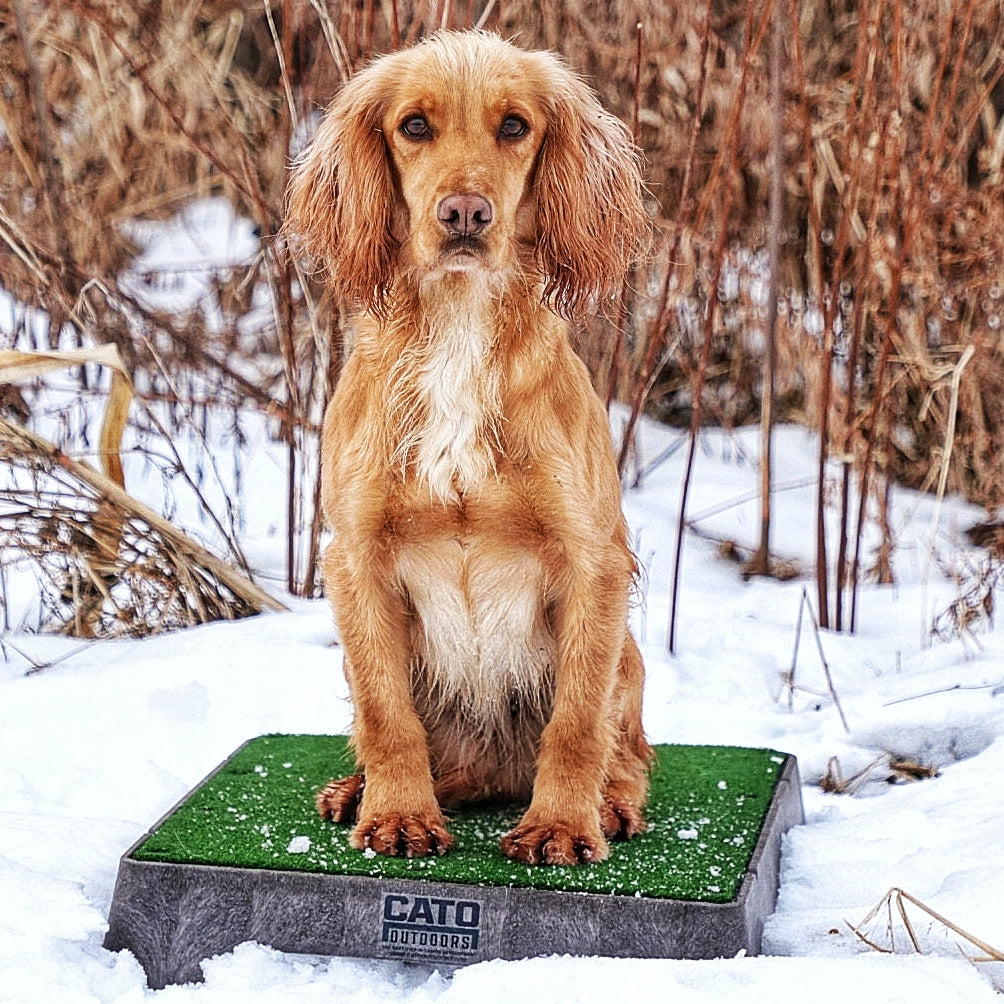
(555, 844)
(403, 835)
(339, 800)
(620, 819)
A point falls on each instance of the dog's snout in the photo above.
(465, 214)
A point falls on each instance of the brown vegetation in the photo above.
(890, 281)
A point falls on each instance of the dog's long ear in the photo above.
(592, 223)
(340, 198)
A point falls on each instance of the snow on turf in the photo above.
(98, 740)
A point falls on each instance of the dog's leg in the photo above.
(397, 813)
(626, 788)
(563, 822)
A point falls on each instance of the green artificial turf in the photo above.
(706, 809)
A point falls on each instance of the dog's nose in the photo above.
(465, 214)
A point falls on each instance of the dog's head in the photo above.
(466, 153)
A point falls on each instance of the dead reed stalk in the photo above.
(754, 37)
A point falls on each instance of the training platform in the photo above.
(245, 857)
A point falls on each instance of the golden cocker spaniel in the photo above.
(465, 197)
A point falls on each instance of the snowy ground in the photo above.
(98, 740)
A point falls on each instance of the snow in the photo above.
(208, 238)
(98, 740)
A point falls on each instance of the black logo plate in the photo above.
(430, 928)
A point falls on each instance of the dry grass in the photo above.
(892, 232)
(894, 770)
(115, 112)
(891, 242)
(108, 565)
(898, 900)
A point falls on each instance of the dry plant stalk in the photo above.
(16, 367)
(789, 678)
(899, 898)
(91, 590)
(727, 161)
(900, 769)
(834, 782)
(110, 565)
(973, 607)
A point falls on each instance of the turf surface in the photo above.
(706, 809)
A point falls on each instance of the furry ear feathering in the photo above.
(587, 194)
(464, 197)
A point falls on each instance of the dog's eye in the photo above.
(416, 127)
(513, 127)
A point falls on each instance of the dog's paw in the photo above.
(554, 844)
(621, 820)
(403, 835)
(339, 800)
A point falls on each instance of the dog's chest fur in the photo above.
(445, 397)
(482, 653)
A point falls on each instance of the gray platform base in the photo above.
(173, 916)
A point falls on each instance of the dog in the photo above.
(465, 198)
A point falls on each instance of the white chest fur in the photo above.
(445, 396)
(480, 630)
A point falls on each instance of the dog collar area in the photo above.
(245, 857)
